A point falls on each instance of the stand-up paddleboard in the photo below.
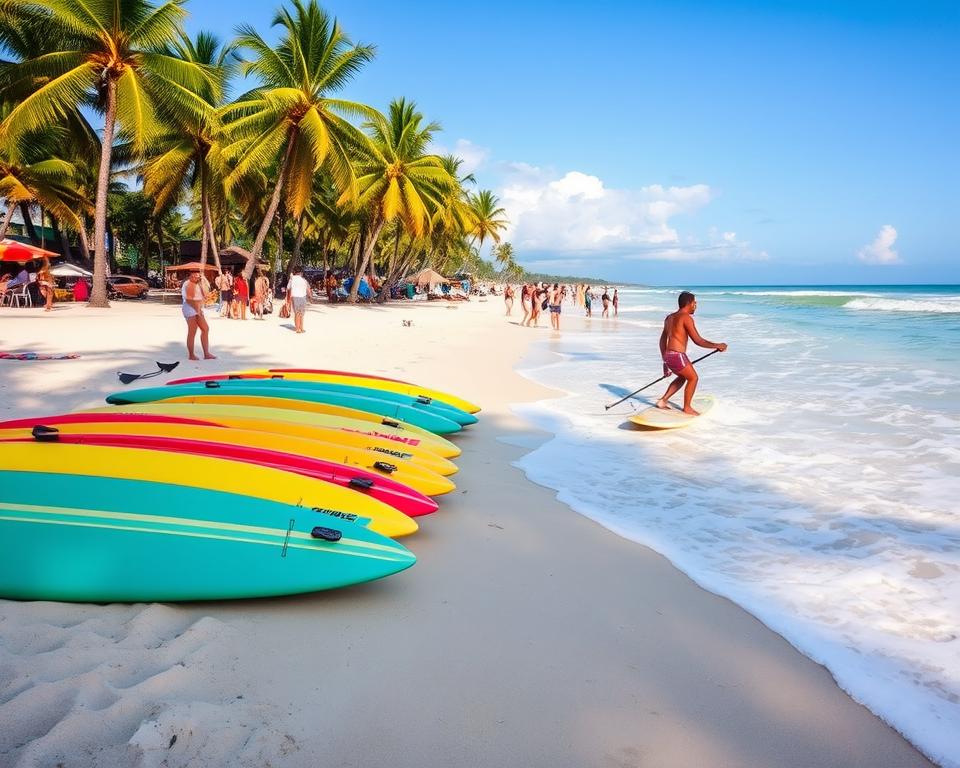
(100, 539)
(298, 399)
(418, 477)
(675, 418)
(330, 502)
(420, 403)
(344, 377)
(292, 422)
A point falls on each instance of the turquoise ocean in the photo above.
(821, 494)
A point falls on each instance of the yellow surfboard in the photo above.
(416, 476)
(332, 501)
(289, 421)
(675, 418)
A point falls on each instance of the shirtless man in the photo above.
(678, 329)
(192, 307)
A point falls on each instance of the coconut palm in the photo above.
(183, 158)
(398, 179)
(489, 218)
(108, 54)
(32, 172)
(289, 127)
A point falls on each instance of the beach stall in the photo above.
(66, 275)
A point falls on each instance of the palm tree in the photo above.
(110, 55)
(32, 172)
(289, 123)
(488, 217)
(398, 179)
(183, 158)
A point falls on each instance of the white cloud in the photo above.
(473, 155)
(576, 214)
(881, 250)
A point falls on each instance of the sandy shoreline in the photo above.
(525, 635)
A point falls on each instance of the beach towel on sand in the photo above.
(36, 356)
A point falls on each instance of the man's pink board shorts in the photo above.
(676, 361)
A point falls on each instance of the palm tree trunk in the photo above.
(98, 295)
(6, 219)
(271, 208)
(28, 224)
(367, 253)
(210, 234)
(84, 244)
(61, 236)
(158, 230)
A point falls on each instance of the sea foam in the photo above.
(819, 494)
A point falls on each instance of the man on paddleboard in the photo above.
(678, 329)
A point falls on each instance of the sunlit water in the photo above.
(822, 493)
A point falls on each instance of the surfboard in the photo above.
(658, 418)
(421, 402)
(297, 399)
(328, 441)
(293, 422)
(331, 502)
(406, 472)
(343, 377)
(101, 539)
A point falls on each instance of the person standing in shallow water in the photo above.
(616, 303)
(606, 303)
(678, 329)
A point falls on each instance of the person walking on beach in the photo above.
(616, 303)
(192, 307)
(225, 286)
(261, 288)
(46, 285)
(525, 303)
(508, 299)
(241, 295)
(555, 298)
(297, 291)
(678, 329)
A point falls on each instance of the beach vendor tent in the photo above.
(70, 270)
(427, 278)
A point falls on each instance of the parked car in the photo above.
(127, 287)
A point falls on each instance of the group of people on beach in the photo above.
(535, 298)
(43, 278)
(234, 299)
(235, 296)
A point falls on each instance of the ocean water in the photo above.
(822, 493)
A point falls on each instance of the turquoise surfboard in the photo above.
(90, 539)
(423, 417)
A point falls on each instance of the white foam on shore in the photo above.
(944, 306)
(835, 526)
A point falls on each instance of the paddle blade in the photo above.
(167, 367)
(126, 378)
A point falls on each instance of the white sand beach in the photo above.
(525, 635)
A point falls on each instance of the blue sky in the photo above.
(687, 142)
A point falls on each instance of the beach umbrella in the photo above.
(13, 250)
(193, 266)
(66, 269)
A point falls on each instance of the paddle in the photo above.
(667, 376)
(126, 378)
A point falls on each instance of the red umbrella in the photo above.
(12, 250)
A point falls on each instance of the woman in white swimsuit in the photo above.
(192, 308)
